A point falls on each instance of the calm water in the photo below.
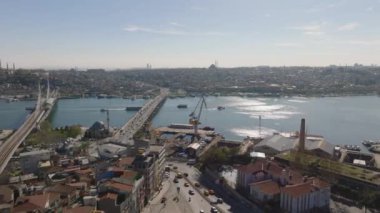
(13, 114)
(342, 120)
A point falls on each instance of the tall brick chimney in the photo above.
(301, 144)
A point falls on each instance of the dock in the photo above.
(201, 132)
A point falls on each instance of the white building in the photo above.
(305, 196)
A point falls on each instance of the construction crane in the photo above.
(194, 117)
(107, 111)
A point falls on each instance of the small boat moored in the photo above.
(221, 107)
(133, 108)
(352, 147)
(374, 148)
(181, 106)
(369, 143)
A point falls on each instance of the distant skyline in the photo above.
(188, 33)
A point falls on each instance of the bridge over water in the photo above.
(40, 113)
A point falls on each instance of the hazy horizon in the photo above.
(188, 34)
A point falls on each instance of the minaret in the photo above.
(14, 67)
(48, 87)
(7, 67)
(302, 136)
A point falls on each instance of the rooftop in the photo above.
(268, 187)
(282, 143)
(79, 209)
(34, 152)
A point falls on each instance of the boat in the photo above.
(133, 108)
(221, 107)
(103, 110)
(352, 147)
(374, 148)
(207, 128)
(30, 108)
(181, 106)
(369, 143)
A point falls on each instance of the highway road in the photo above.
(125, 134)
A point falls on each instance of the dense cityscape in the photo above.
(190, 106)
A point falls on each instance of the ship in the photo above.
(369, 143)
(221, 107)
(352, 147)
(374, 148)
(207, 128)
(181, 106)
(103, 110)
(30, 108)
(133, 108)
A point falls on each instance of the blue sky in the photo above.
(188, 33)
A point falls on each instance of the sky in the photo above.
(188, 33)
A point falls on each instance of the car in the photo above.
(201, 211)
(163, 200)
(185, 174)
(211, 192)
(206, 193)
(186, 185)
(174, 167)
(197, 184)
(179, 176)
(191, 192)
(219, 200)
(175, 180)
(214, 210)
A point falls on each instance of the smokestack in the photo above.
(301, 144)
(7, 67)
(0, 65)
(14, 67)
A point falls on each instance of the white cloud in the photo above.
(311, 30)
(331, 6)
(313, 10)
(288, 44)
(198, 8)
(364, 42)
(176, 24)
(369, 9)
(348, 27)
(136, 29)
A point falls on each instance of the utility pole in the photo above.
(108, 120)
(259, 126)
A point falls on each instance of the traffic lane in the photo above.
(236, 205)
(178, 197)
(230, 202)
(193, 176)
(196, 201)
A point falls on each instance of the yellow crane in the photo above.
(194, 117)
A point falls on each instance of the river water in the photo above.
(341, 120)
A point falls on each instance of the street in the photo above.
(198, 201)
